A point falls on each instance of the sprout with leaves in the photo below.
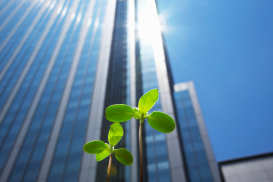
(103, 150)
(157, 120)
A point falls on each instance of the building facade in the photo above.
(62, 63)
(251, 169)
(199, 159)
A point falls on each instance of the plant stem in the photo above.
(109, 168)
(140, 148)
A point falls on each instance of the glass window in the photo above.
(194, 175)
(190, 158)
(190, 112)
(149, 139)
(164, 176)
(185, 94)
(205, 172)
(195, 133)
(55, 177)
(201, 157)
(151, 167)
(160, 137)
(31, 173)
(161, 148)
(192, 122)
(198, 145)
(77, 145)
(163, 166)
(150, 150)
(62, 149)
(71, 177)
(187, 102)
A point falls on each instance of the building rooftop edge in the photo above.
(256, 156)
(181, 86)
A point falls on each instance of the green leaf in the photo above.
(147, 101)
(94, 147)
(102, 155)
(124, 156)
(115, 134)
(136, 113)
(161, 122)
(119, 113)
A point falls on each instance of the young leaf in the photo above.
(102, 155)
(147, 101)
(119, 113)
(94, 147)
(115, 134)
(136, 113)
(124, 156)
(161, 122)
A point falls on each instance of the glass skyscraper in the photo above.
(62, 62)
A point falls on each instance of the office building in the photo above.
(62, 63)
(250, 169)
(199, 160)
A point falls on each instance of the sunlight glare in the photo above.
(64, 11)
(59, 9)
(73, 16)
(47, 4)
(89, 22)
(78, 18)
(150, 23)
(53, 5)
(162, 22)
(96, 23)
(153, 30)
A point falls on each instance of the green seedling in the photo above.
(157, 120)
(103, 150)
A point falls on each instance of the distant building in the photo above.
(258, 168)
(198, 155)
(62, 63)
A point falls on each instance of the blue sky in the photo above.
(226, 48)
